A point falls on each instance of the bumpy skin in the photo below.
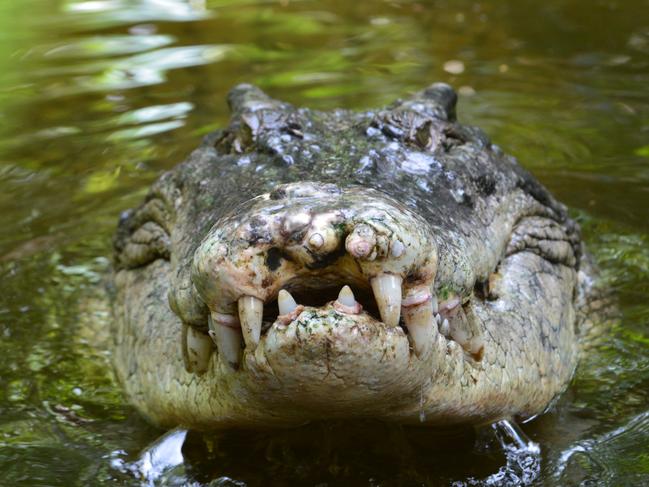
(448, 212)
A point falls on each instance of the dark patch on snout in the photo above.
(273, 258)
(486, 184)
(278, 194)
(320, 261)
(258, 231)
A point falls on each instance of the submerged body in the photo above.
(304, 265)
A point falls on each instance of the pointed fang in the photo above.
(251, 311)
(228, 342)
(346, 296)
(420, 321)
(387, 292)
(199, 350)
(285, 302)
(346, 302)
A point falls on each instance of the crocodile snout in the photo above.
(306, 238)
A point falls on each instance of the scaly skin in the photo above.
(459, 229)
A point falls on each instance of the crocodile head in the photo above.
(303, 265)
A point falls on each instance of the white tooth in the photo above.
(420, 321)
(285, 302)
(228, 343)
(199, 350)
(445, 328)
(438, 318)
(251, 311)
(460, 336)
(387, 292)
(346, 297)
(435, 305)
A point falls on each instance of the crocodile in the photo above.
(305, 265)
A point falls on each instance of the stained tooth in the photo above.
(387, 292)
(476, 347)
(346, 297)
(198, 350)
(285, 302)
(420, 321)
(460, 336)
(445, 328)
(251, 311)
(228, 342)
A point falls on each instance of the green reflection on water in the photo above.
(98, 97)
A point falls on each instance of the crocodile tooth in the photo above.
(346, 296)
(228, 342)
(476, 347)
(435, 305)
(445, 328)
(460, 335)
(199, 350)
(420, 321)
(387, 292)
(251, 311)
(346, 302)
(285, 302)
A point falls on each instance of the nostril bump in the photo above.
(397, 249)
(359, 248)
(361, 241)
(316, 241)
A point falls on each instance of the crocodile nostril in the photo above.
(274, 258)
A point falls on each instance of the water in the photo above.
(98, 97)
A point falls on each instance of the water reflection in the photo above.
(96, 14)
(98, 97)
(132, 72)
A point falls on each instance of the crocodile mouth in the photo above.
(321, 261)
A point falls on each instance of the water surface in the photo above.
(98, 97)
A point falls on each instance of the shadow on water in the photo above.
(97, 98)
(335, 454)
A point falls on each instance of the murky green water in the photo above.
(98, 97)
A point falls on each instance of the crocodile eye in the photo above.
(143, 235)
